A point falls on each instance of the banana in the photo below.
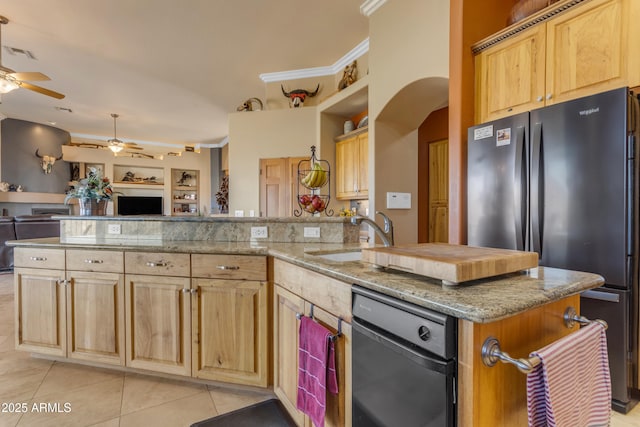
(312, 177)
(316, 177)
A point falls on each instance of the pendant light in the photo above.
(115, 144)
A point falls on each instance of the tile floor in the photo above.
(104, 398)
(98, 397)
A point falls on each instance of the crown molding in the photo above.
(353, 54)
(370, 6)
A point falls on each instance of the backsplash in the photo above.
(146, 230)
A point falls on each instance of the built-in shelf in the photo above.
(30, 197)
(119, 184)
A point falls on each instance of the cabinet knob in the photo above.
(157, 264)
(539, 99)
(549, 96)
(194, 291)
(93, 261)
(38, 258)
(228, 267)
(186, 291)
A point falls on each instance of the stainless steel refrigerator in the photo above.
(563, 181)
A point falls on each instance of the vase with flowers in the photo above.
(93, 194)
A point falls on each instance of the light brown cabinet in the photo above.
(40, 307)
(332, 301)
(95, 306)
(158, 326)
(352, 167)
(590, 48)
(77, 314)
(230, 318)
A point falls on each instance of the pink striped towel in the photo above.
(316, 370)
(571, 387)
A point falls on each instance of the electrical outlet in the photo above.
(259, 233)
(113, 229)
(312, 232)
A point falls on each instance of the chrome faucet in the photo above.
(386, 235)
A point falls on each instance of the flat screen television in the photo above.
(139, 205)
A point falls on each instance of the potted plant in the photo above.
(93, 193)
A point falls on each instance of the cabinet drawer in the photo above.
(39, 258)
(157, 263)
(326, 292)
(241, 267)
(87, 260)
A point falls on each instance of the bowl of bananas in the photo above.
(317, 177)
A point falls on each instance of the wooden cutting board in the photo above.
(451, 263)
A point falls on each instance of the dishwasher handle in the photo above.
(416, 354)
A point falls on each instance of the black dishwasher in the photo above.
(404, 363)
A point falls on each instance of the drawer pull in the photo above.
(93, 261)
(157, 264)
(38, 258)
(228, 267)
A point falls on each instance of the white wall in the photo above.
(259, 135)
(408, 79)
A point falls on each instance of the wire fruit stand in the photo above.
(314, 176)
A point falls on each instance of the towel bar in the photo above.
(491, 352)
(331, 337)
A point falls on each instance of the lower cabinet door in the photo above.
(286, 306)
(158, 323)
(40, 311)
(230, 331)
(95, 317)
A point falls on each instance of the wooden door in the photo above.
(363, 166)
(587, 50)
(510, 76)
(230, 331)
(273, 187)
(95, 317)
(338, 406)
(278, 186)
(296, 189)
(285, 349)
(40, 311)
(439, 191)
(158, 330)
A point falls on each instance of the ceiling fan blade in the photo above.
(30, 76)
(41, 90)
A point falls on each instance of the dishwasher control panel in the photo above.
(432, 331)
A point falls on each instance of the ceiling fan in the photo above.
(10, 80)
(115, 144)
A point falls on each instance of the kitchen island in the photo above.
(523, 310)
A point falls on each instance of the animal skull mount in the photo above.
(248, 105)
(46, 162)
(297, 96)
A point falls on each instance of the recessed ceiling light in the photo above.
(52, 123)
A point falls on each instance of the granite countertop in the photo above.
(478, 301)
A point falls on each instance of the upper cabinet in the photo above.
(587, 49)
(352, 166)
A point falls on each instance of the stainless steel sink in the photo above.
(338, 256)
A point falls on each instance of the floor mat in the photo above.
(269, 413)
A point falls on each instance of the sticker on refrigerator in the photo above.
(483, 132)
(503, 137)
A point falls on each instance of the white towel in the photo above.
(572, 386)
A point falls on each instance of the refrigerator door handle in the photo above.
(601, 296)
(519, 191)
(537, 189)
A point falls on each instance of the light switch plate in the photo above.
(312, 232)
(259, 232)
(398, 200)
